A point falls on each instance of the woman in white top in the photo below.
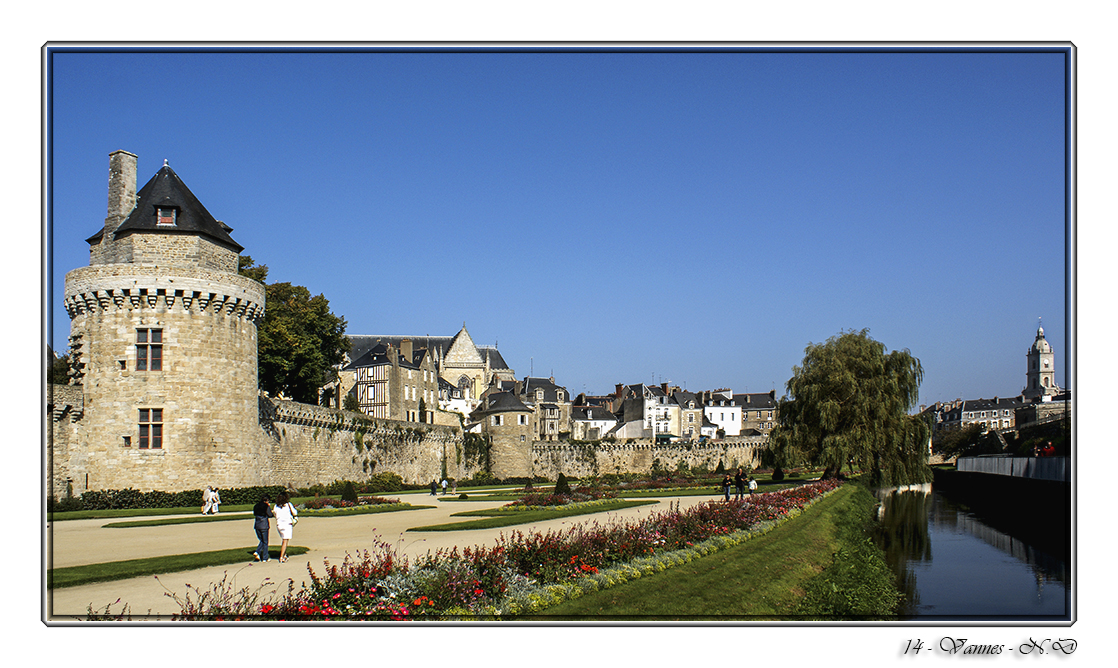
(285, 515)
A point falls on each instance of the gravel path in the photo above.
(77, 542)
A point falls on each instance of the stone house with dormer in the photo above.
(396, 384)
(758, 412)
(456, 359)
(552, 406)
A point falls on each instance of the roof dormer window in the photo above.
(165, 215)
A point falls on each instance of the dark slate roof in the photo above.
(502, 402)
(438, 345)
(495, 359)
(550, 389)
(992, 404)
(681, 397)
(591, 413)
(361, 344)
(378, 355)
(167, 189)
(757, 401)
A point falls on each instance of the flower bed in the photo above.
(327, 502)
(523, 572)
(547, 499)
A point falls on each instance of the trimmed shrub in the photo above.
(385, 481)
(349, 493)
(562, 486)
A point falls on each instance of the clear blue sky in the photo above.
(610, 218)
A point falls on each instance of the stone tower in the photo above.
(163, 335)
(1041, 373)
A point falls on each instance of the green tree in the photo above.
(300, 340)
(960, 442)
(850, 401)
(59, 370)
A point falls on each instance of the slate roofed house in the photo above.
(457, 359)
(690, 414)
(591, 423)
(646, 411)
(552, 405)
(758, 412)
(396, 383)
(721, 409)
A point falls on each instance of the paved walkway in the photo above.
(78, 542)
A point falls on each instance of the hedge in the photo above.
(130, 498)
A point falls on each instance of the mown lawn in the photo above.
(503, 518)
(764, 578)
(73, 576)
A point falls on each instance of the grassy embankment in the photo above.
(820, 565)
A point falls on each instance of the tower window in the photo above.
(149, 350)
(151, 428)
(165, 215)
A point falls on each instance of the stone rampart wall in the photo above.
(578, 460)
(314, 444)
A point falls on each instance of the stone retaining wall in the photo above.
(640, 456)
(314, 444)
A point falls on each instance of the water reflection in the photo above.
(977, 572)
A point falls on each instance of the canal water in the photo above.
(952, 564)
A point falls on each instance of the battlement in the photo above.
(131, 286)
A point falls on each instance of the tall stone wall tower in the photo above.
(163, 336)
(1041, 374)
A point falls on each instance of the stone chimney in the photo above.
(406, 349)
(619, 390)
(122, 189)
(664, 388)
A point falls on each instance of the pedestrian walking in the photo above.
(739, 484)
(215, 501)
(752, 485)
(726, 486)
(444, 486)
(434, 487)
(286, 519)
(207, 500)
(261, 513)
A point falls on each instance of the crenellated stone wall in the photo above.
(584, 459)
(314, 444)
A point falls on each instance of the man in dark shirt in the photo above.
(260, 514)
(739, 483)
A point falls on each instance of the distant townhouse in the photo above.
(457, 360)
(991, 414)
(452, 398)
(646, 411)
(591, 423)
(758, 412)
(552, 406)
(720, 409)
(396, 384)
(690, 414)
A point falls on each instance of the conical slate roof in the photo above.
(166, 189)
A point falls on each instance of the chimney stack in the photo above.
(122, 189)
(405, 349)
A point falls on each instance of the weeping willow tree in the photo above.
(849, 402)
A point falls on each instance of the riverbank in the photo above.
(818, 565)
